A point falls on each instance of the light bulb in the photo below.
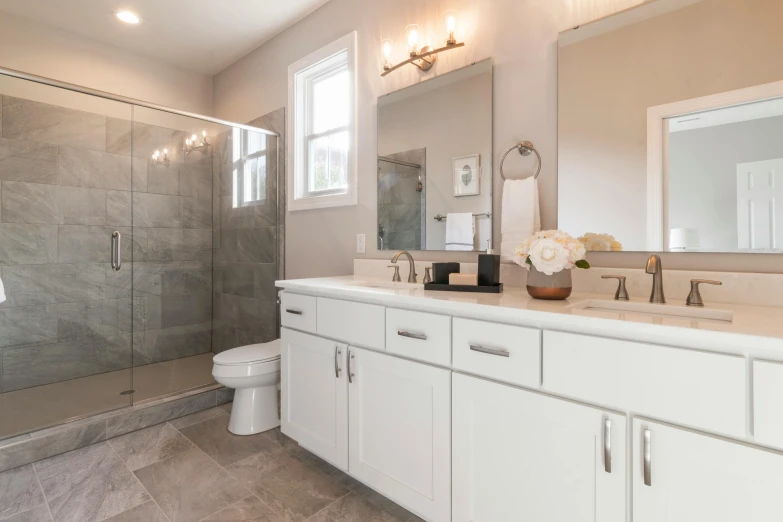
(204, 133)
(129, 17)
(165, 152)
(387, 48)
(193, 138)
(413, 38)
(450, 17)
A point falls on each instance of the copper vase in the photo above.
(555, 287)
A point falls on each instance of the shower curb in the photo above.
(45, 443)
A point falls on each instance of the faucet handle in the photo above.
(396, 278)
(427, 275)
(621, 294)
(694, 298)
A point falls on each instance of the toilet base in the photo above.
(254, 410)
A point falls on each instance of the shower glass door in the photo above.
(66, 183)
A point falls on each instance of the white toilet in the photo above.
(254, 372)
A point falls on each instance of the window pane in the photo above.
(330, 102)
(256, 142)
(338, 160)
(318, 164)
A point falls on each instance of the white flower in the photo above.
(600, 242)
(548, 256)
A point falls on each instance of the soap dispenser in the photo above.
(489, 267)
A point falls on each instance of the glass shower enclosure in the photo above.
(135, 242)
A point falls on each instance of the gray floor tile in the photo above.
(213, 437)
(351, 483)
(288, 485)
(19, 491)
(37, 514)
(352, 508)
(250, 509)
(147, 512)
(190, 486)
(150, 445)
(195, 418)
(397, 512)
(227, 407)
(88, 485)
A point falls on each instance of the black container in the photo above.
(490, 289)
(488, 269)
(441, 272)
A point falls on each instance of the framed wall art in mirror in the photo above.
(670, 128)
(434, 161)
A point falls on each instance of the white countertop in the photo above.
(756, 331)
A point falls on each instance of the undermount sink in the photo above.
(655, 310)
(389, 285)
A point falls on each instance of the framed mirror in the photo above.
(435, 163)
(670, 123)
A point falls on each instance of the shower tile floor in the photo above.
(189, 470)
(35, 408)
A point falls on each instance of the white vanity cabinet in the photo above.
(400, 425)
(314, 398)
(690, 476)
(519, 455)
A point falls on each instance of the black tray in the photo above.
(493, 289)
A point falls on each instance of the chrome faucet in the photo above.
(654, 267)
(412, 271)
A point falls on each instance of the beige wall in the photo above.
(607, 83)
(520, 36)
(46, 51)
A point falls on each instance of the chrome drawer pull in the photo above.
(647, 458)
(420, 337)
(337, 353)
(492, 351)
(295, 312)
(608, 445)
(350, 370)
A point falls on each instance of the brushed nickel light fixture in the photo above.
(425, 57)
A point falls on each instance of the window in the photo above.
(322, 101)
(249, 158)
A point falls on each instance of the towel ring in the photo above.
(525, 148)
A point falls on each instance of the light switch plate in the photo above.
(360, 245)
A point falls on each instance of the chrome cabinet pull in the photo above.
(647, 458)
(492, 351)
(608, 445)
(350, 370)
(403, 333)
(295, 312)
(116, 258)
(337, 353)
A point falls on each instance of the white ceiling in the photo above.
(746, 112)
(200, 35)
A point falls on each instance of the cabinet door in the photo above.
(519, 456)
(400, 415)
(698, 477)
(315, 395)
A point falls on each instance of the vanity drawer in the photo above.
(359, 324)
(693, 388)
(506, 353)
(298, 311)
(419, 335)
(768, 402)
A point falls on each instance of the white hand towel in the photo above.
(2, 291)
(520, 216)
(460, 231)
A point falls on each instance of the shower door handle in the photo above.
(116, 258)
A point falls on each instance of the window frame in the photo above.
(238, 169)
(301, 76)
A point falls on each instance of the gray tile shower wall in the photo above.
(65, 185)
(248, 240)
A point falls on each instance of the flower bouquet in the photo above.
(549, 256)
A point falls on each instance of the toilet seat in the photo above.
(250, 354)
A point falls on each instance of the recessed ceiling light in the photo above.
(129, 17)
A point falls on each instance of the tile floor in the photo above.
(36, 408)
(190, 470)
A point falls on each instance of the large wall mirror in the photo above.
(671, 128)
(435, 163)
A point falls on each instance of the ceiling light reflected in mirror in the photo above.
(129, 17)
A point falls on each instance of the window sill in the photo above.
(336, 200)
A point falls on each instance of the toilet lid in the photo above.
(252, 353)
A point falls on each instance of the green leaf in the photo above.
(528, 261)
(582, 263)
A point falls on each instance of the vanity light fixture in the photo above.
(193, 143)
(159, 158)
(425, 57)
(129, 17)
